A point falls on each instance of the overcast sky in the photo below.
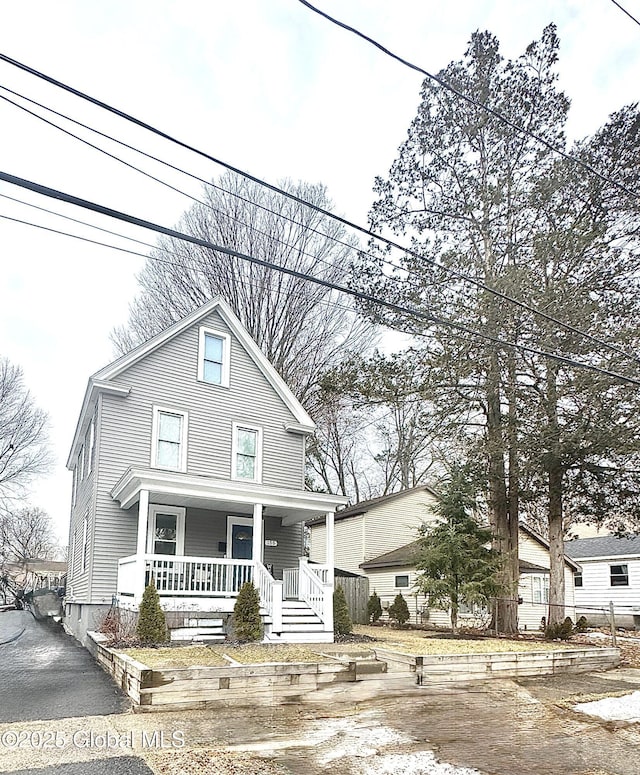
(269, 87)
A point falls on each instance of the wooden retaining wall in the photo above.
(209, 687)
(435, 669)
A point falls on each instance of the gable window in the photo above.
(247, 453)
(213, 357)
(577, 578)
(169, 440)
(619, 575)
(402, 582)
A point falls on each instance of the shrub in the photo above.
(559, 630)
(399, 611)
(342, 624)
(374, 608)
(118, 625)
(247, 622)
(152, 625)
(582, 624)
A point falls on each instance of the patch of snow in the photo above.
(354, 737)
(625, 708)
(418, 763)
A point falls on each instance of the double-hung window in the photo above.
(85, 541)
(169, 443)
(577, 578)
(247, 453)
(540, 589)
(213, 357)
(619, 575)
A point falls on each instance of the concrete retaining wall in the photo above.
(480, 667)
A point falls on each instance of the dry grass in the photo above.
(423, 642)
(179, 656)
(213, 656)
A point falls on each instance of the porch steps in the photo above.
(300, 625)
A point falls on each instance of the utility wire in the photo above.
(624, 10)
(327, 213)
(366, 297)
(476, 103)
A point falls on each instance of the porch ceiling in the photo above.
(176, 489)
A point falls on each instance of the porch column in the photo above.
(329, 558)
(141, 546)
(258, 539)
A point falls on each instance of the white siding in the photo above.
(395, 522)
(597, 592)
(348, 540)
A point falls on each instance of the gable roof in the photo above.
(100, 381)
(603, 546)
(364, 506)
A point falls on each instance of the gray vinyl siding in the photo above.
(290, 546)
(79, 580)
(168, 377)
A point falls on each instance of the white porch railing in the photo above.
(290, 583)
(317, 594)
(270, 591)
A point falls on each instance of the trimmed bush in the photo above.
(582, 624)
(559, 630)
(342, 624)
(399, 611)
(246, 620)
(152, 625)
(374, 608)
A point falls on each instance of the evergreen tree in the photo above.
(247, 622)
(374, 608)
(152, 625)
(455, 559)
(342, 624)
(399, 610)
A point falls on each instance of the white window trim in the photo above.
(231, 521)
(542, 581)
(184, 435)
(74, 486)
(81, 463)
(85, 538)
(226, 355)
(179, 513)
(92, 443)
(236, 426)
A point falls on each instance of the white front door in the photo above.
(166, 530)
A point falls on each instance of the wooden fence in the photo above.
(356, 590)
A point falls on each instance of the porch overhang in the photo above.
(173, 488)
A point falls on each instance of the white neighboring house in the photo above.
(188, 472)
(377, 538)
(610, 572)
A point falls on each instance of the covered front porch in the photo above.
(199, 540)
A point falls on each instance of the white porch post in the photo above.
(141, 546)
(258, 540)
(330, 561)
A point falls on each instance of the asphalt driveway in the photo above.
(46, 675)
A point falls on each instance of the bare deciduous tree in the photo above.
(297, 324)
(24, 449)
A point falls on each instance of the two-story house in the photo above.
(377, 539)
(188, 471)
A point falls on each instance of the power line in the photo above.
(455, 273)
(366, 297)
(624, 10)
(476, 103)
